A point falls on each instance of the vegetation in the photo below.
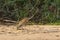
(48, 10)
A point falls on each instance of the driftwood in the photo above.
(7, 22)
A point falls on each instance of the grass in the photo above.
(33, 23)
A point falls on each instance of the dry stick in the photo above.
(24, 20)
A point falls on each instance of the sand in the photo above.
(30, 32)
